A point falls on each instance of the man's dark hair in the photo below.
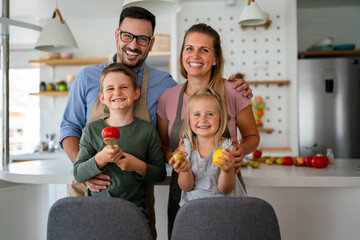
(138, 13)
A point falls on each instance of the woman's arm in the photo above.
(162, 128)
(249, 134)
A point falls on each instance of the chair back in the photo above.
(96, 218)
(245, 218)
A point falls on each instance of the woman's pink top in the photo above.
(168, 101)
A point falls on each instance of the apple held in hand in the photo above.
(287, 160)
(257, 154)
(216, 155)
(110, 135)
(178, 157)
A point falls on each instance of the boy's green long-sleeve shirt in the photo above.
(139, 139)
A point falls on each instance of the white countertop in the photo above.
(343, 173)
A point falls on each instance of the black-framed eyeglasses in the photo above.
(128, 38)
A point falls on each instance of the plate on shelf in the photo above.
(349, 46)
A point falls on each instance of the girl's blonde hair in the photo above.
(216, 81)
(186, 131)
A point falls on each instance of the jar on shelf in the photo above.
(42, 86)
(69, 80)
(330, 155)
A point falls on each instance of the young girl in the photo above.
(203, 129)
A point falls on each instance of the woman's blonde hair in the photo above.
(186, 131)
(216, 81)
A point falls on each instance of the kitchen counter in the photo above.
(343, 173)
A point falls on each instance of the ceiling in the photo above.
(38, 11)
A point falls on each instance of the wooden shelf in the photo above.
(68, 62)
(51, 93)
(278, 82)
(336, 53)
(266, 25)
(275, 150)
(267, 130)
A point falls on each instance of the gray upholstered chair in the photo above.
(96, 218)
(226, 218)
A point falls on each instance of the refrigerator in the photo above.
(329, 106)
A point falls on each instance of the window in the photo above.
(24, 119)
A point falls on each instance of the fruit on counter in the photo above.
(319, 161)
(110, 135)
(244, 162)
(269, 161)
(279, 161)
(257, 154)
(179, 157)
(254, 164)
(307, 161)
(218, 154)
(287, 160)
(299, 161)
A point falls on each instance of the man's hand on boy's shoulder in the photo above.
(240, 84)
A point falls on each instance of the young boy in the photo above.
(136, 158)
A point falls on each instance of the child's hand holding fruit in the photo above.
(224, 159)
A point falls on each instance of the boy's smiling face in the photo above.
(118, 91)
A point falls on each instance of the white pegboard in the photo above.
(258, 53)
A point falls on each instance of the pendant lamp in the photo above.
(56, 36)
(252, 15)
(156, 7)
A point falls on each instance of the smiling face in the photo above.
(198, 56)
(132, 54)
(204, 116)
(118, 92)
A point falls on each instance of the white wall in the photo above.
(341, 23)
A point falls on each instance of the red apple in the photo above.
(257, 153)
(299, 161)
(318, 162)
(307, 161)
(287, 160)
(110, 135)
(326, 161)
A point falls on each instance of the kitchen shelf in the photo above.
(276, 150)
(69, 62)
(266, 25)
(267, 130)
(51, 93)
(278, 82)
(336, 53)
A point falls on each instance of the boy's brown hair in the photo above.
(118, 67)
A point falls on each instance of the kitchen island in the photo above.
(310, 203)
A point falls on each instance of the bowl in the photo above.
(348, 46)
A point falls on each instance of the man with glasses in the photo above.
(134, 39)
